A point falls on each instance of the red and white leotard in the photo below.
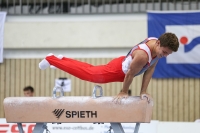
(114, 71)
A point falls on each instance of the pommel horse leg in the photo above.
(137, 126)
(39, 127)
(20, 127)
(117, 127)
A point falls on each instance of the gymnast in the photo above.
(142, 58)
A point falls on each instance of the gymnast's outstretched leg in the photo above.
(111, 72)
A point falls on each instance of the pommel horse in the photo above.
(77, 109)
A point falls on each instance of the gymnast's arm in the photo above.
(145, 81)
(139, 60)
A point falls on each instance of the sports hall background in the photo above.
(92, 32)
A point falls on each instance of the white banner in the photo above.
(2, 21)
(64, 83)
(78, 127)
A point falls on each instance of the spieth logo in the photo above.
(189, 39)
(81, 114)
(58, 112)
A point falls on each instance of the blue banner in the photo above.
(185, 63)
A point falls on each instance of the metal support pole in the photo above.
(20, 127)
(39, 127)
(137, 126)
(117, 127)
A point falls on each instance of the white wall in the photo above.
(86, 36)
(74, 31)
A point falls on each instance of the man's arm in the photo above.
(139, 60)
(145, 81)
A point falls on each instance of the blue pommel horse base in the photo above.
(77, 109)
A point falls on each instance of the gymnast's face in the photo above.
(28, 93)
(162, 51)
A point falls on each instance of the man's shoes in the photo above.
(44, 64)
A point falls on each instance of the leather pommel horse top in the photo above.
(75, 109)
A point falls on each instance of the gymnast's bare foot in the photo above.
(44, 64)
